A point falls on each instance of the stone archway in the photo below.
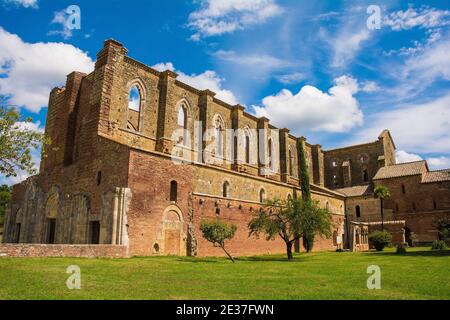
(173, 232)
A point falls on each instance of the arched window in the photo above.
(403, 189)
(226, 189)
(182, 123)
(435, 206)
(270, 146)
(291, 163)
(134, 108)
(335, 181)
(247, 149)
(134, 99)
(397, 209)
(262, 195)
(218, 135)
(365, 174)
(173, 191)
(358, 211)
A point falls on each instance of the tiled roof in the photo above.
(402, 170)
(356, 191)
(436, 176)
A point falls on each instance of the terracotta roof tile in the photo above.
(356, 191)
(402, 170)
(436, 176)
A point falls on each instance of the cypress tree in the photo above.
(306, 189)
(308, 238)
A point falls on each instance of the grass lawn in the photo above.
(419, 274)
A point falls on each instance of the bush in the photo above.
(439, 245)
(401, 248)
(380, 239)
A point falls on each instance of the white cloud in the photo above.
(217, 17)
(206, 80)
(24, 3)
(312, 109)
(418, 128)
(435, 163)
(291, 78)
(404, 157)
(346, 43)
(424, 17)
(30, 70)
(434, 62)
(60, 17)
(370, 86)
(439, 163)
(264, 61)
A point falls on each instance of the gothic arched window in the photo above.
(226, 189)
(291, 163)
(262, 195)
(247, 149)
(134, 108)
(173, 191)
(182, 119)
(270, 152)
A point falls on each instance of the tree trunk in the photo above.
(382, 214)
(229, 255)
(289, 250)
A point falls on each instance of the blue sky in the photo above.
(312, 66)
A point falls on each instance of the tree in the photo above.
(16, 142)
(306, 189)
(5, 197)
(290, 220)
(443, 227)
(217, 233)
(308, 237)
(382, 193)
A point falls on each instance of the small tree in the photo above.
(382, 193)
(217, 233)
(16, 143)
(290, 220)
(443, 227)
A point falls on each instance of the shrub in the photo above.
(401, 248)
(380, 239)
(439, 245)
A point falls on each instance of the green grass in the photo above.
(419, 274)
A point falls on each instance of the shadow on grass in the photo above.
(421, 253)
(297, 258)
(276, 258)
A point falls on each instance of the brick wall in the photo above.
(73, 251)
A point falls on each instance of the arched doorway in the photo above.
(174, 240)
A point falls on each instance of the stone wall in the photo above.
(69, 251)
(158, 226)
(349, 164)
